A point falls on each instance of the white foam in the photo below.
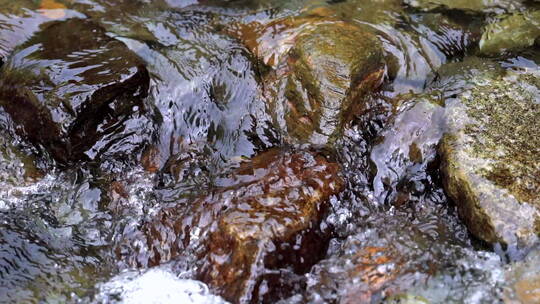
(156, 286)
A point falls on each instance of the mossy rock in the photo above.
(491, 156)
(513, 32)
(317, 71)
(66, 81)
(333, 67)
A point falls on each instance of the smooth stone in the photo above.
(70, 86)
(514, 32)
(321, 70)
(266, 216)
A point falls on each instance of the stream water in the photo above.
(204, 115)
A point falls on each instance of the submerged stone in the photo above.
(19, 20)
(70, 86)
(16, 167)
(265, 217)
(332, 69)
(491, 155)
(523, 280)
(408, 144)
(516, 31)
(322, 70)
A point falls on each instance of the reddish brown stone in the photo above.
(150, 159)
(369, 270)
(319, 72)
(266, 216)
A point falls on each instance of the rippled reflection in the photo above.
(171, 165)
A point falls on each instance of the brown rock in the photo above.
(523, 279)
(150, 159)
(70, 86)
(321, 71)
(371, 271)
(265, 216)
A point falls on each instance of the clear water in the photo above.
(58, 225)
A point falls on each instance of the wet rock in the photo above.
(71, 87)
(323, 70)
(516, 31)
(524, 280)
(374, 267)
(28, 13)
(478, 6)
(491, 154)
(126, 18)
(17, 166)
(332, 69)
(407, 148)
(375, 12)
(262, 223)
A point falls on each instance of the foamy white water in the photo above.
(156, 286)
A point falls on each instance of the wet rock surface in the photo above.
(524, 280)
(490, 156)
(69, 94)
(491, 6)
(323, 72)
(516, 31)
(265, 217)
(279, 151)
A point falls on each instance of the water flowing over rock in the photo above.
(485, 6)
(323, 70)
(269, 151)
(72, 95)
(491, 154)
(524, 279)
(265, 219)
(513, 32)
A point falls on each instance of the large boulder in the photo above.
(491, 153)
(70, 86)
(265, 217)
(514, 32)
(322, 70)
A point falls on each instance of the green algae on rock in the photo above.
(333, 67)
(323, 71)
(491, 157)
(266, 217)
(67, 94)
(513, 32)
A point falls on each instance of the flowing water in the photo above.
(204, 116)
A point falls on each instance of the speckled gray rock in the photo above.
(491, 155)
(516, 31)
